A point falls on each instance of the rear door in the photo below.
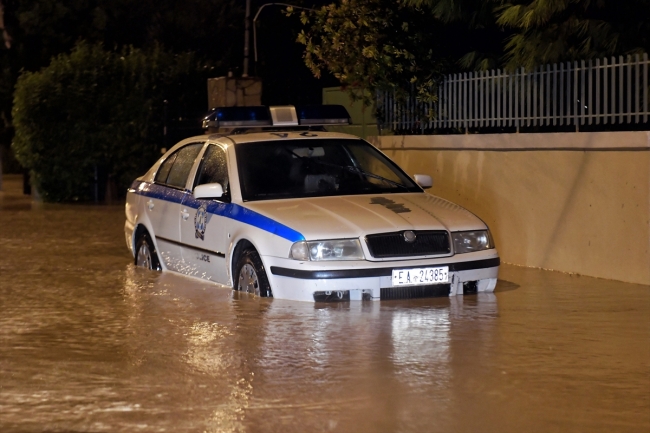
(204, 231)
(164, 203)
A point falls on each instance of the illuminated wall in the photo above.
(573, 202)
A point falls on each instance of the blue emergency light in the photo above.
(284, 116)
(323, 115)
(233, 117)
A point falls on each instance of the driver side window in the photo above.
(214, 169)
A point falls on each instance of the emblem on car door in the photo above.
(200, 222)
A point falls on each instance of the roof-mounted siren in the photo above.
(323, 115)
(237, 117)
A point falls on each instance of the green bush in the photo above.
(96, 111)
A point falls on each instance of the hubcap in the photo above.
(144, 256)
(248, 281)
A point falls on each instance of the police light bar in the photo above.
(232, 117)
(280, 116)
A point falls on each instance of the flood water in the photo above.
(89, 343)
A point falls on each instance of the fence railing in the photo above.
(592, 92)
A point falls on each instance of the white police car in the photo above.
(293, 212)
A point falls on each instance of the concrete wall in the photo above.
(573, 202)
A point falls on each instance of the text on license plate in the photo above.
(417, 276)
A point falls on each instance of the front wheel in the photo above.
(250, 275)
(145, 253)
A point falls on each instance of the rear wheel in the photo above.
(250, 275)
(145, 253)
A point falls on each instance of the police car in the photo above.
(278, 207)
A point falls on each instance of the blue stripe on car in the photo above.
(228, 210)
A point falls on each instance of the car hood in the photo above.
(356, 216)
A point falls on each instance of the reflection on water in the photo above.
(90, 343)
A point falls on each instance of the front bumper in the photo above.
(364, 280)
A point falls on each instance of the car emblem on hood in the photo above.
(409, 236)
(390, 204)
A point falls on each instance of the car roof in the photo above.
(251, 137)
(285, 135)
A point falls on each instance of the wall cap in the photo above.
(568, 141)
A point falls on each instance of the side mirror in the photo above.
(424, 180)
(208, 190)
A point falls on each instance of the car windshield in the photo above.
(314, 168)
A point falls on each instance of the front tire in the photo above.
(250, 275)
(145, 253)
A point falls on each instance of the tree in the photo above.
(96, 112)
(476, 42)
(42, 29)
(549, 31)
(371, 45)
(536, 32)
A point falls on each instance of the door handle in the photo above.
(150, 204)
(185, 214)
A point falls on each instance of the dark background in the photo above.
(213, 29)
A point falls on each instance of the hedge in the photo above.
(96, 111)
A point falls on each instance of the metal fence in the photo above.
(592, 92)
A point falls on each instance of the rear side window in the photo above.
(175, 170)
(163, 171)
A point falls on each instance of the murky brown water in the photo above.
(88, 343)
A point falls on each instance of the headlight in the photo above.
(467, 242)
(336, 249)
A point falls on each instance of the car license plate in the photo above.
(420, 276)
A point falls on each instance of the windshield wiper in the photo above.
(374, 176)
(350, 168)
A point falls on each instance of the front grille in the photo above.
(414, 292)
(384, 245)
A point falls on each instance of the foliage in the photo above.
(42, 29)
(549, 31)
(96, 111)
(471, 28)
(371, 45)
(537, 32)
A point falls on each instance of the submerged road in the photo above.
(89, 343)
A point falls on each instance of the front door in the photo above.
(203, 226)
